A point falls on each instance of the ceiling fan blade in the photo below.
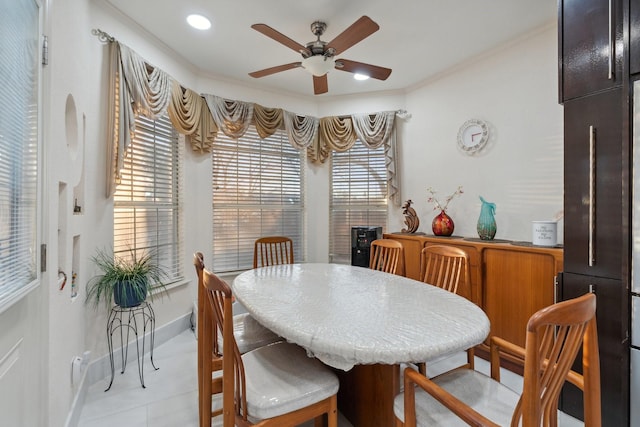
(320, 85)
(280, 38)
(358, 31)
(372, 71)
(273, 70)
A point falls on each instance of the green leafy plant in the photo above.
(134, 275)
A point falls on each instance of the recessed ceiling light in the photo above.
(360, 76)
(199, 22)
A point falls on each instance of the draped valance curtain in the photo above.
(139, 88)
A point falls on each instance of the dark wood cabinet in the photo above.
(590, 46)
(509, 282)
(634, 36)
(611, 312)
(594, 74)
(593, 184)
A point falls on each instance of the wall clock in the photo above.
(473, 135)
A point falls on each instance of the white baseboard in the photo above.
(100, 368)
(78, 401)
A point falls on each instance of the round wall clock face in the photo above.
(473, 135)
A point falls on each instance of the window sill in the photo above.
(158, 290)
(7, 301)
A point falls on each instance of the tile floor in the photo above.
(170, 396)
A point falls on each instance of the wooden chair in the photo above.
(276, 385)
(273, 250)
(387, 255)
(446, 267)
(554, 337)
(249, 335)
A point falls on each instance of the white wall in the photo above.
(521, 170)
(513, 88)
(71, 136)
(78, 70)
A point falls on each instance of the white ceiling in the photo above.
(418, 39)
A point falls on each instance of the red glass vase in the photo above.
(442, 224)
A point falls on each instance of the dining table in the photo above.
(362, 322)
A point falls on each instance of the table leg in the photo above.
(366, 394)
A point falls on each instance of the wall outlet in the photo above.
(76, 369)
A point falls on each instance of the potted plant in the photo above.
(124, 280)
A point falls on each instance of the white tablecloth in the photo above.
(346, 315)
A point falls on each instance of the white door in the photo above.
(23, 335)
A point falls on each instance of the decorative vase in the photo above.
(487, 223)
(442, 224)
(126, 294)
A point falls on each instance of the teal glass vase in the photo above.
(487, 222)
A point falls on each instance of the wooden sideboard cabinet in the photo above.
(509, 281)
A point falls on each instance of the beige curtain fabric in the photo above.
(373, 129)
(150, 87)
(190, 115)
(138, 88)
(135, 87)
(302, 132)
(113, 120)
(232, 117)
(121, 119)
(204, 135)
(337, 133)
(377, 129)
(267, 120)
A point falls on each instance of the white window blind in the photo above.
(147, 200)
(19, 72)
(257, 191)
(358, 196)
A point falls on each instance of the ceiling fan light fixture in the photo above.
(318, 65)
(198, 22)
(359, 76)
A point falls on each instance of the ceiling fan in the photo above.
(318, 57)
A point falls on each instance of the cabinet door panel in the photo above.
(596, 116)
(589, 34)
(634, 36)
(516, 285)
(612, 344)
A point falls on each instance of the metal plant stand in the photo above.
(130, 319)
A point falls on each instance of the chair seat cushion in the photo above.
(250, 334)
(282, 378)
(488, 397)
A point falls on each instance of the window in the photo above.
(358, 196)
(257, 191)
(146, 203)
(19, 73)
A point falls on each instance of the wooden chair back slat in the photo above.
(272, 250)
(446, 267)
(387, 255)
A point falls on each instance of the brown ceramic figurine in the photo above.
(410, 218)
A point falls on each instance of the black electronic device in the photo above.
(361, 238)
